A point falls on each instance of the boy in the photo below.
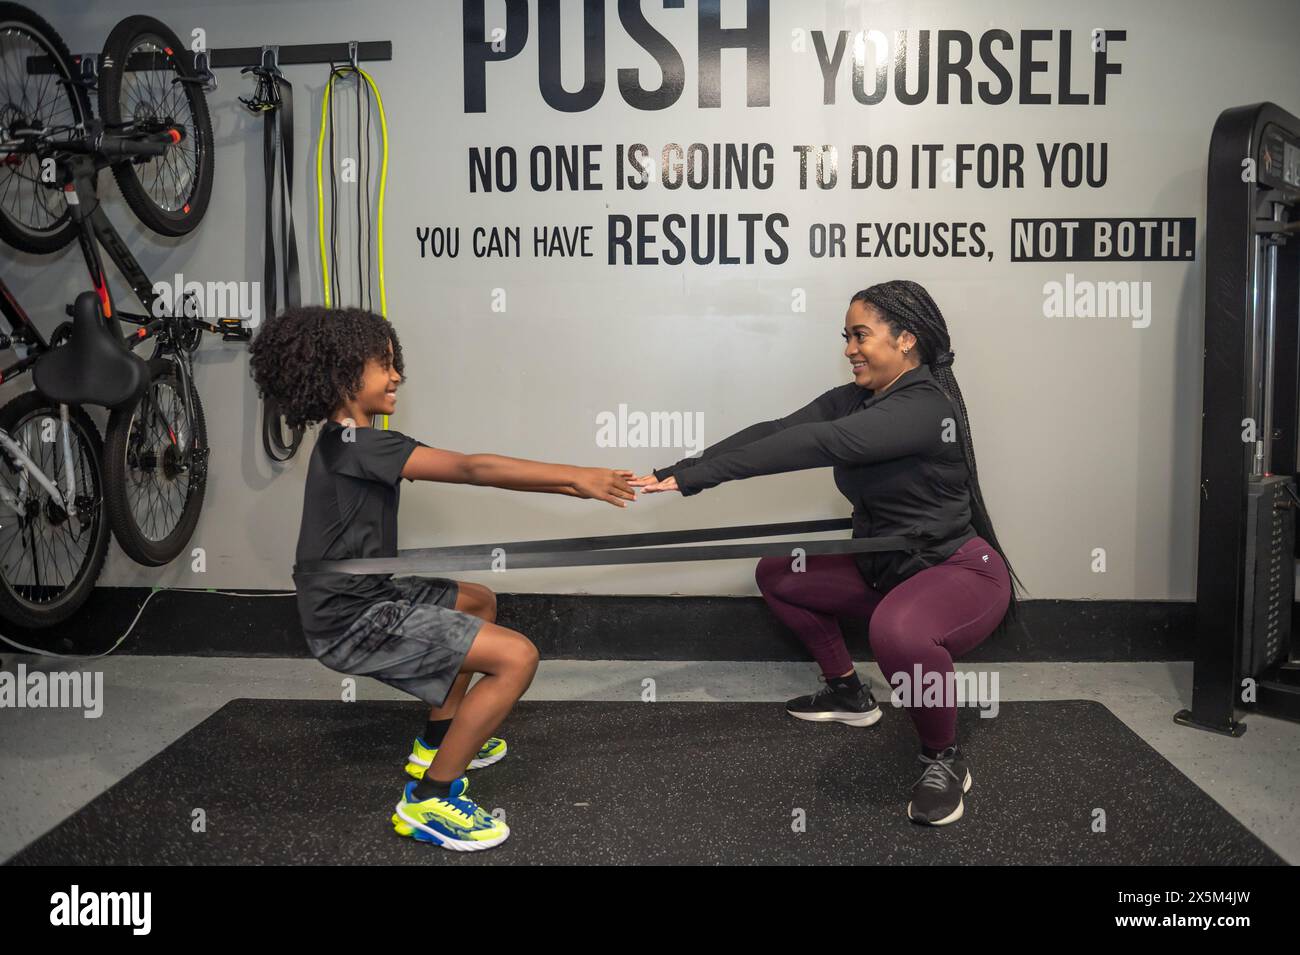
(424, 635)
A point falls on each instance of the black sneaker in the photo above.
(829, 704)
(936, 796)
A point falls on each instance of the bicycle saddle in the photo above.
(94, 367)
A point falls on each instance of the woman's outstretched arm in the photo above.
(910, 424)
(825, 407)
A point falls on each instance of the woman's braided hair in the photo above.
(907, 306)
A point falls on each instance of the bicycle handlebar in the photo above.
(230, 329)
(139, 144)
(108, 145)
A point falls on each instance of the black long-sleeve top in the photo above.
(896, 456)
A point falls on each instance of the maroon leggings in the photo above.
(936, 614)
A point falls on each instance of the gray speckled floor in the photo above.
(53, 762)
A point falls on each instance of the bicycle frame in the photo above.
(29, 468)
(24, 333)
(94, 230)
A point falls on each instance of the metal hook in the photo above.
(266, 96)
(203, 67)
(352, 55)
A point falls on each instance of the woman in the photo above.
(899, 441)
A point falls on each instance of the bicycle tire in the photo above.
(139, 543)
(64, 229)
(125, 37)
(15, 608)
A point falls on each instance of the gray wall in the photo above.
(1087, 430)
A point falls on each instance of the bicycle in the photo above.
(155, 448)
(53, 540)
(136, 80)
(57, 479)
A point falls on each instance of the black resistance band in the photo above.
(273, 98)
(617, 549)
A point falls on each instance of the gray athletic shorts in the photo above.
(416, 643)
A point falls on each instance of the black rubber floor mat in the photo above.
(312, 782)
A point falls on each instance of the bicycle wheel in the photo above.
(169, 193)
(34, 216)
(49, 558)
(155, 461)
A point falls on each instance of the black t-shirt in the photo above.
(349, 510)
(890, 459)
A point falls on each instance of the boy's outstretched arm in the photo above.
(518, 474)
(562, 488)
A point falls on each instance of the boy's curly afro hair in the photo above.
(310, 360)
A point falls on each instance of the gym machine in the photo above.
(1245, 659)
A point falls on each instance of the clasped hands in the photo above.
(616, 486)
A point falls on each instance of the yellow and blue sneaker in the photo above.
(453, 822)
(421, 756)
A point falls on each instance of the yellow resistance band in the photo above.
(320, 184)
(320, 187)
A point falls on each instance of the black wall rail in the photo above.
(294, 54)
